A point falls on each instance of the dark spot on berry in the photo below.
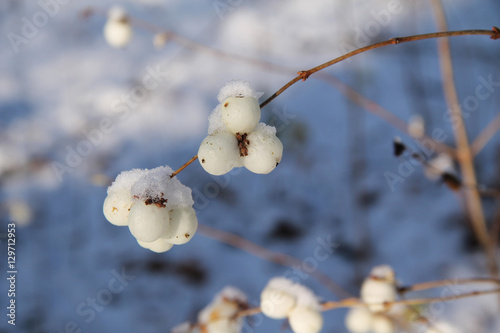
(202, 160)
(186, 235)
(225, 105)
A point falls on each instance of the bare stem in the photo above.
(194, 158)
(464, 154)
(446, 283)
(486, 135)
(274, 257)
(304, 75)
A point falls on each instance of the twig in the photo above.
(464, 155)
(274, 257)
(176, 172)
(304, 75)
(381, 112)
(485, 136)
(445, 283)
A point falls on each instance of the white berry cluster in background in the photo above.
(156, 208)
(118, 30)
(220, 315)
(377, 289)
(282, 298)
(235, 136)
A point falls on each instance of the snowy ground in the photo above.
(62, 81)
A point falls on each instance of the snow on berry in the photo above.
(276, 303)
(148, 222)
(183, 225)
(264, 150)
(237, 88)
(305, 320)
(378, 288)
(283, 298)
(218, 316)
(438, 166)
(117, 30)
(359, 320)
(240, 114)
(119, 200)
(157, 208)
(219, 153)
(156, 184)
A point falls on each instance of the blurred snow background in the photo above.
(64, 81)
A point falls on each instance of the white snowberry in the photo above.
(240, 114)
(219, 153)
(378, 288)
(382, 324)
(147, 223)
(160, 245)
(118, 30)
(305, 320)
(359, 320)
(264, 150)
(276, 303)
(116, 207)
(182, 227)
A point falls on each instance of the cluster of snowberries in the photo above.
(156, 208)
(235, 136)
(282, 298)
(377, 290)
(220, 316)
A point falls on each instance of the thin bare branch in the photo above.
(486, 135)
(464, 154)
(268, 255)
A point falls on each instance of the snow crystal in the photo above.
(125, 180)
(265, 129)
(232, 294)
(383, 272)
(156, 183)
(439, 165)
(304, 296)
(146, 184)
(215, 123)
(237, 88)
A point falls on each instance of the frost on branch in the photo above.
(236, 138)
(157, 208)
(282, 298)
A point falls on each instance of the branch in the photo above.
(465, 158)
(485, 136)
(268, 255)
(304, 75)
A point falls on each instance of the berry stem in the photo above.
(304, 75)
(176, 172)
